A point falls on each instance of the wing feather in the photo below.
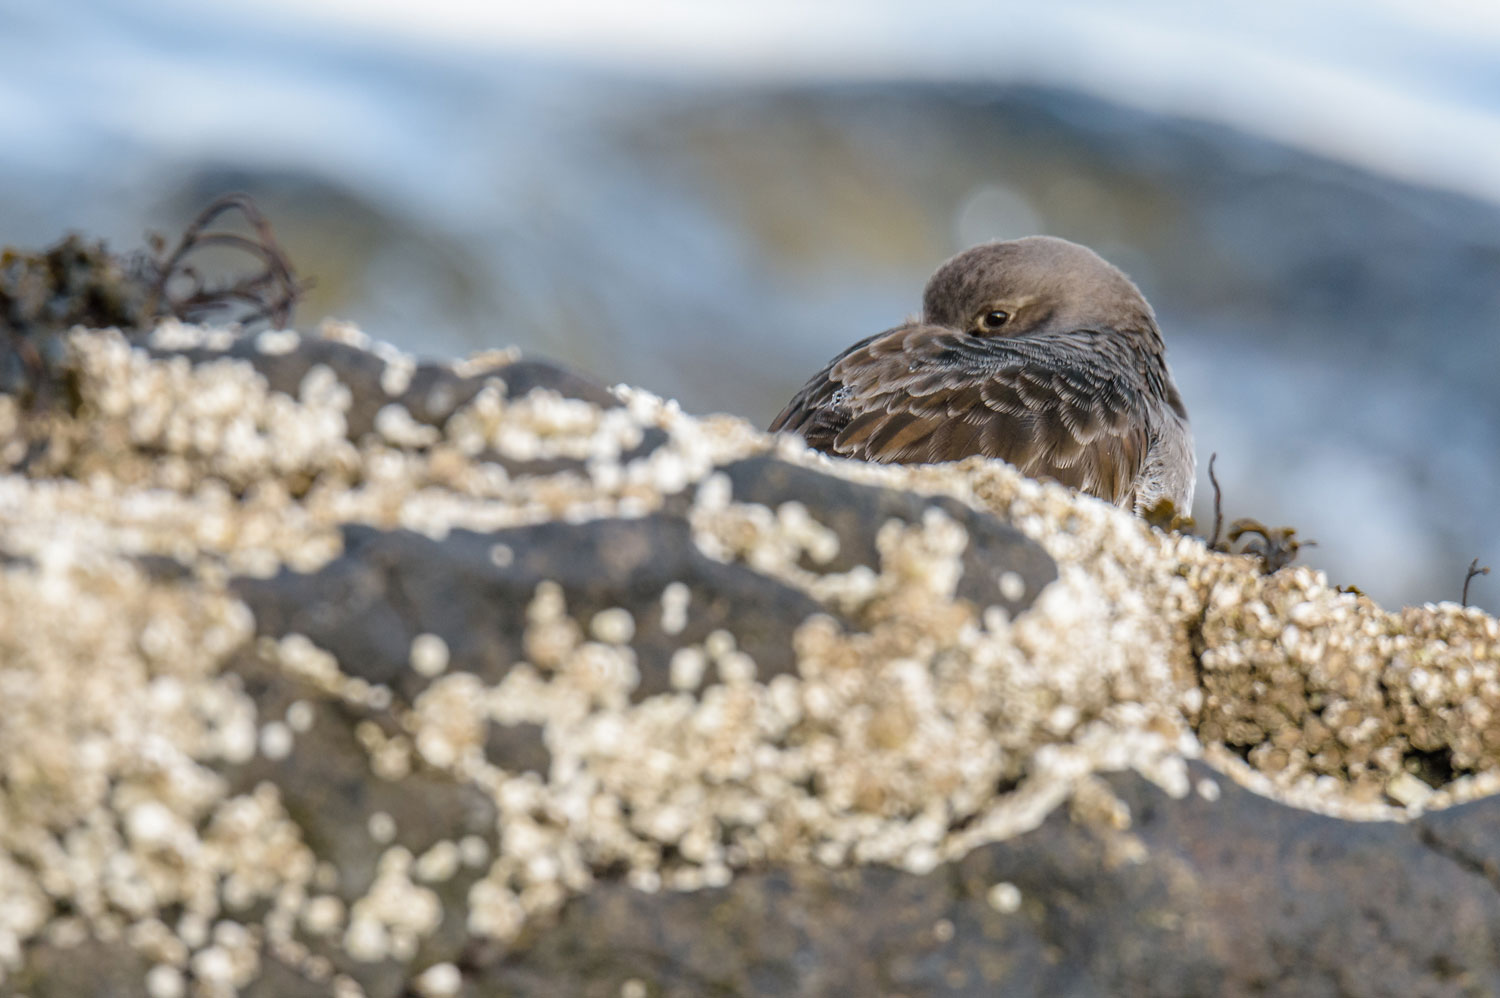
(924, 394)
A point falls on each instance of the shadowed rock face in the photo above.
(848, 510)
(324, 669)
(368, 606)
(1235, 896)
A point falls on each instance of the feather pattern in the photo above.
(1087, 404)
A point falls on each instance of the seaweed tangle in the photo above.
(1276, 547)
(1473, 572)
(79, 282)
(266, 294)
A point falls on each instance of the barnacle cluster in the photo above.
(915, 725)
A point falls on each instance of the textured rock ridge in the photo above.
(328, 672)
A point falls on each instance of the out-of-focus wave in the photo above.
(1407, 88)
(710, 199)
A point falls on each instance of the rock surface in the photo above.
(328, 672)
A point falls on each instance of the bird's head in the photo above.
(1036, 284)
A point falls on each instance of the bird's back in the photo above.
(1036, 351)
(922, 394)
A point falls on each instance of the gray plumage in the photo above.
(1036, 351)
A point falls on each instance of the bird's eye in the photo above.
(994, 319)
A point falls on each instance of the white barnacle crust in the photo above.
(393, 917)
(395, 423)
(903, 708)
(429, 655)
(277, 341)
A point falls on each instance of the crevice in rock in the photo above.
(1450, 851)
(1434, 768)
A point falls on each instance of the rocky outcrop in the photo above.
(328, 672)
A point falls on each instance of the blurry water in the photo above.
(710, 204)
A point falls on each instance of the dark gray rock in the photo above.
(367, 606)
(856, 512)
(327, 788)
(106, 970)
(1236, 897)
(433, 392)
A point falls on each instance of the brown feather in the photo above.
(1064, 398)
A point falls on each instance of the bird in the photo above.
(1036, 351)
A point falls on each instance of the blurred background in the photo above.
(710, 199)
